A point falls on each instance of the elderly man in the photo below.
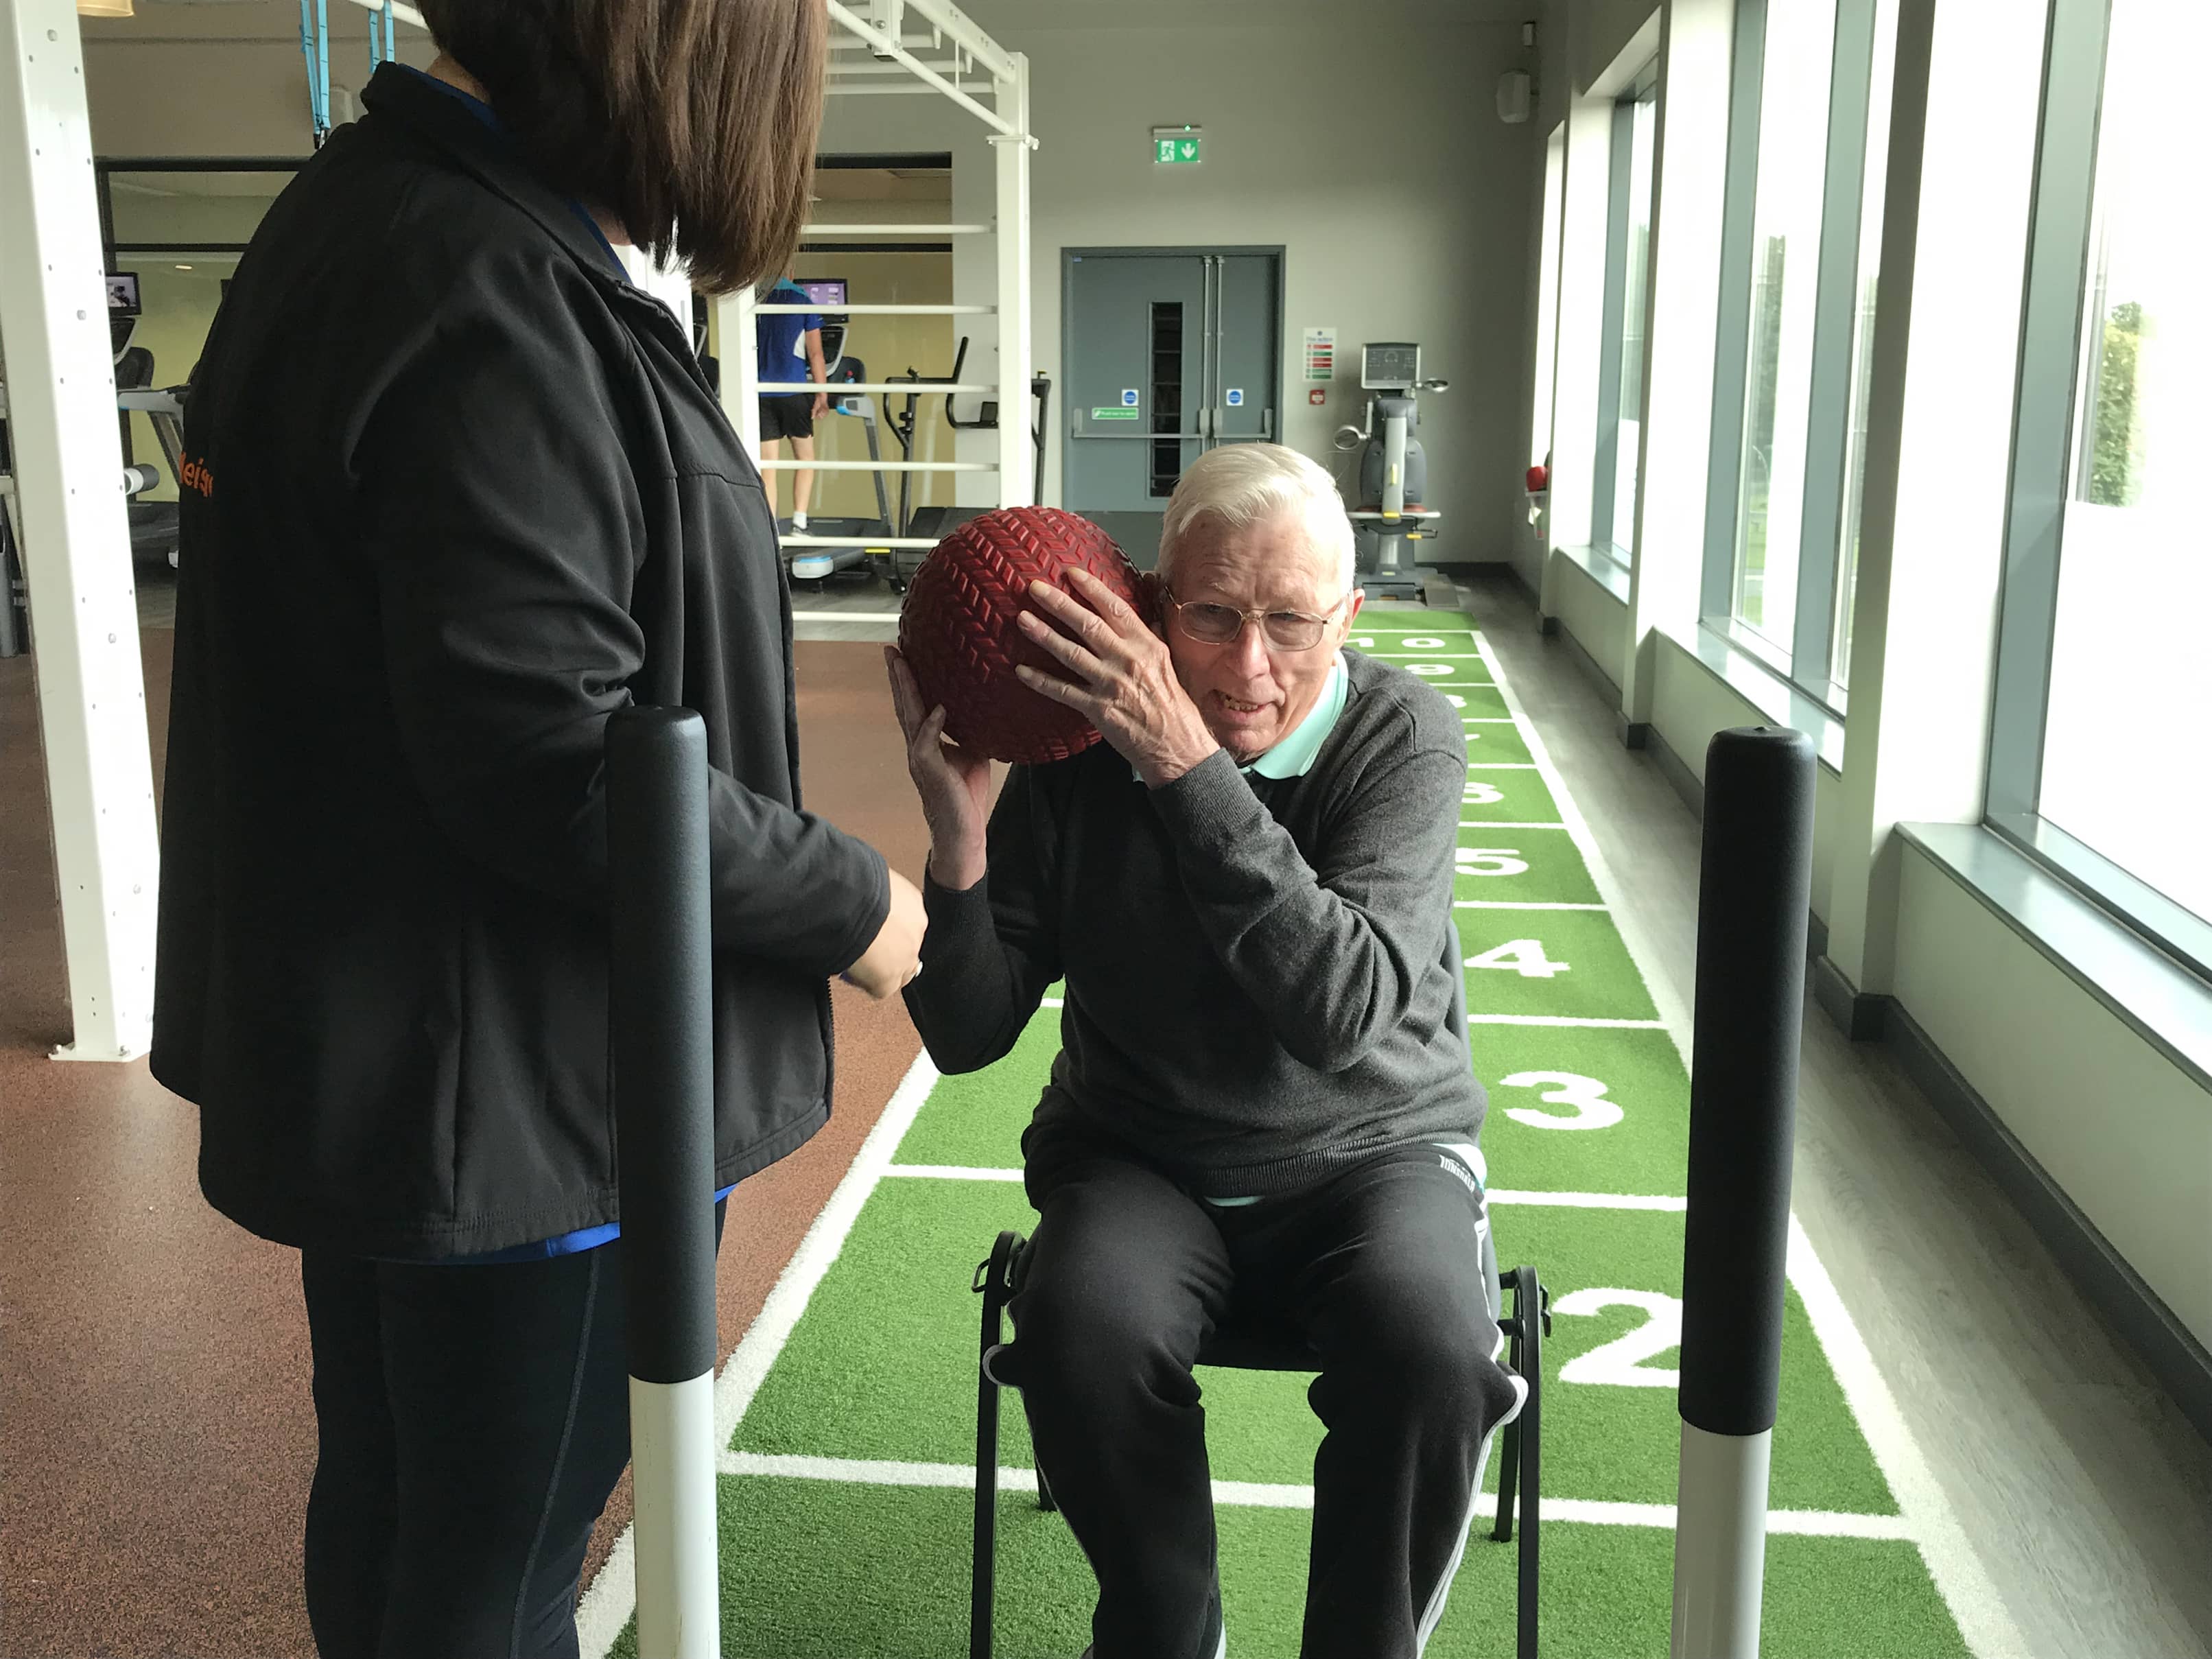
(1260, 1098)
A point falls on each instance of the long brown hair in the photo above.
(692, 121)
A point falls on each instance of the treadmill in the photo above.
(818, 564)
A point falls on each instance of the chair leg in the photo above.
(1509, 1459)
(1046, 1501)
(1528, 1302)
(993, 1278)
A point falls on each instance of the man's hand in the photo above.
(821, 404)
(894, 958)
(1124, 682)
(954, 784)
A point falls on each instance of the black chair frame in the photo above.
(1525, 1321)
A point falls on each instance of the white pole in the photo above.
(672, 1432)
(76, 534)
(734, 321)
(1720, 1544)
(1014, 481)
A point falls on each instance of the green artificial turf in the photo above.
(881, 1367)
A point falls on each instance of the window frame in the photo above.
(1605, 458)
(1806, 662)
(2044, 460)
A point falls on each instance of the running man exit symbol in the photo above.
(1178, 146)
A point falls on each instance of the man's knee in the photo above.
(1074, 1340)
(1439, 1371)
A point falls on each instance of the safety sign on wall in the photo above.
(1128, 397)
(1321, 354)
(1237, 397)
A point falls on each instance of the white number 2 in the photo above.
(1482, 794)
(1525, 957)
(1455, 700)
(1490, 861)
(1620, 1362)
(1585, 1094)
(1429, 671)
(1423, 643)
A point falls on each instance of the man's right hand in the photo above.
(896, 956)
(954, 783)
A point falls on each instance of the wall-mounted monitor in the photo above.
(827, 292)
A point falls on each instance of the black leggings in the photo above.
(471, 1422)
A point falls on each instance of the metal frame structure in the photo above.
(877, 57)
(66, 504)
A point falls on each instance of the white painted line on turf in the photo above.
(1984, 1621)
(1502, 766)
(607, 1604)
(1568, 1019)
(1051, 1002)
(1518, 904)
(1488, 823)
(890, 617)
(1273, 1495)
(1585, 1200)
(1952, 1567)
(950, 1172)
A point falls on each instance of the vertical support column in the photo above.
(735, 321)
(1015, 483)
(76, 537)
(1689, 184)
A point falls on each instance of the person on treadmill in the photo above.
(786, 341)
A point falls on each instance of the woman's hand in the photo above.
(955, 786)
(1124, 680)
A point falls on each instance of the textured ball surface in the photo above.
(959, 632)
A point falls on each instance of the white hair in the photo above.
(1245, 484)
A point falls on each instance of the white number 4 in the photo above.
(1489, 861)
(1620, 1362)
(1525, 957)
(1592, 1110)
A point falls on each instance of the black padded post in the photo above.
(661, 998)
(1755, 887)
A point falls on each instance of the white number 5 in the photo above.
(1585, 1094)
(1620, 1362)
(1490, 861)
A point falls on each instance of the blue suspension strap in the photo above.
(381, 46)
(315, 47)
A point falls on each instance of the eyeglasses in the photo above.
(1217, 624)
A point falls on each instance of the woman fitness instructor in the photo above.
(466, 493)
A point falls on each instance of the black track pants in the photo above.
(1381, 1265)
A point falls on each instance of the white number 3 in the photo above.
(1585, 1094)
(1620, 1362)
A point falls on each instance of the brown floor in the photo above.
(155, 1433)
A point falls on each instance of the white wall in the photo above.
(1400, 218)
(2123, 1130)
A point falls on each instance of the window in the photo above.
(1620, 367)
(1800, 245)
(1547, 296)
(2096, 751)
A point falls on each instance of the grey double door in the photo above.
(1169, 355)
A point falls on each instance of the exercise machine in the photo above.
(934, 523)
(1389, 519)
(818, 564)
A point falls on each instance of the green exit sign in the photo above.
(1178, 146)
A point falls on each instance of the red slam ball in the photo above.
(958, 631)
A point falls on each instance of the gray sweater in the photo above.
(1258, 977)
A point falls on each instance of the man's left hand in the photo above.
(1122, 680)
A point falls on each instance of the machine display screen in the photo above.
(827, 292)
(1392, 368)
(123, 294)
